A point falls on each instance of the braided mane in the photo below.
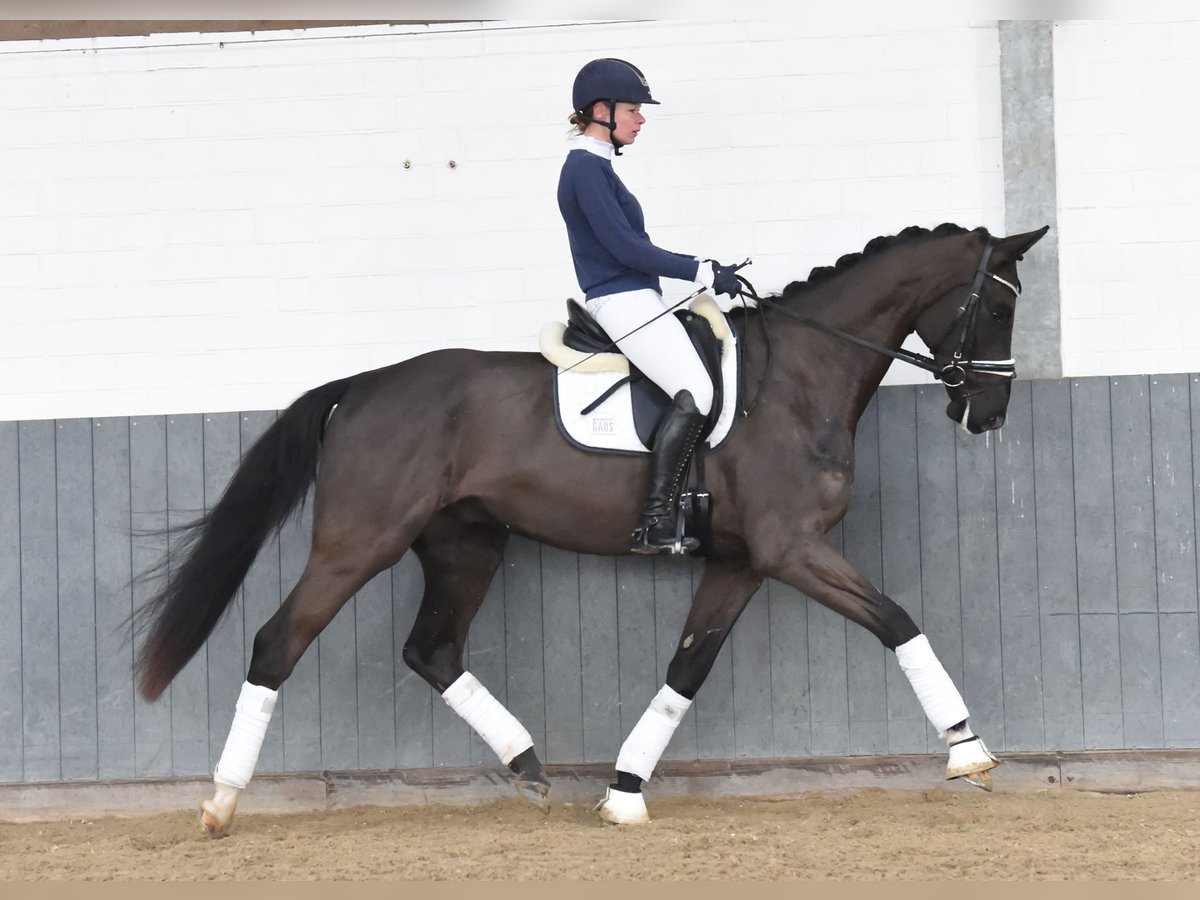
(874, 246)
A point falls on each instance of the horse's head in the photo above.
(969, 330)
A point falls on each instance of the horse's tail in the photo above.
(218, 548)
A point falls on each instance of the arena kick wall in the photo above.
(194, 233)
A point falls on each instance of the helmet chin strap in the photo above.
(611, 125)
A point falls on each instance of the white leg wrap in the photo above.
(254, 708)
(645, 745)
(940, 699)
(498, 727)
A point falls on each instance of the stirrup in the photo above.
(678, 545)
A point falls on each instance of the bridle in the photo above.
(954, 373)
(964, 321)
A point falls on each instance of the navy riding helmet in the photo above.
(610, 79)
(614, 80)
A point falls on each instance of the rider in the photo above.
(618, 269)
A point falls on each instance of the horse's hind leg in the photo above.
(459, 558)
(337, 567)
(723, 593)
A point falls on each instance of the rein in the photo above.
(952, 374)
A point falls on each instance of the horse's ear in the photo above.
(1015, 246)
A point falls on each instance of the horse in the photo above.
(449, 452)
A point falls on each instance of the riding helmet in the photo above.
(610, 79)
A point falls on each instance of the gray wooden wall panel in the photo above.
(899, 517)
(1141, 679)
(713, 709)
(337, 679)
(979, 582)
(414, 698)
(866, 685)
(147, 518)
(1058, 602)
(1053, 565)
(1100, 680)
(829, 710)
(747, 651)
(1062, 700)
(523, 631)
(39, 603)
(76, 598)
(791, 721)
(114, 598)
(941, 600)
(599, 675)
(1174, 513)
(12, 735)
(185, 503)
(562, 654)
(226, 653)
(1016, 547)
(376, 674)
(1095, 513)
(1133, 493)
(1180, 642)
(637, 667)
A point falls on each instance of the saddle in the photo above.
(583, 352)
(584, 334)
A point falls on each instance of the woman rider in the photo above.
(618, 269)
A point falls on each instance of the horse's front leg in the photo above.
(720, 599)
(813, 567)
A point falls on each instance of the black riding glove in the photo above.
(725, 280)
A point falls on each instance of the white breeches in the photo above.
(661, 349)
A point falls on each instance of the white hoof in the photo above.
(971, 760)
(623, 808)
(216, 814)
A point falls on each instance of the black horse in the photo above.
(449, 452)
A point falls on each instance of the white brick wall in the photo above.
(1128, 144)
(190, 226)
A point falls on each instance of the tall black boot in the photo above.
(673, 446)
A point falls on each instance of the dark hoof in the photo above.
(536, 792)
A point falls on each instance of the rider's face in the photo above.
(628, 119)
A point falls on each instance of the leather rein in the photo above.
(954, 373)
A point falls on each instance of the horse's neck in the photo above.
(878, 301)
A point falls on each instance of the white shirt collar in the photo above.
(591, 145)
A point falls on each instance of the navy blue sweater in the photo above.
(607, 231)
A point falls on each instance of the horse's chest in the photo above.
(830, 467)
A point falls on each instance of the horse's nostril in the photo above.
(993, 423)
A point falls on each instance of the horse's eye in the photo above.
(1002, 313)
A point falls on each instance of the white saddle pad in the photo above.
(609, 427)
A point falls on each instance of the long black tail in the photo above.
(219, 548)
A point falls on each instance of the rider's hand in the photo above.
(725, 280)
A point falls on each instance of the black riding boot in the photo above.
(673, 445)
